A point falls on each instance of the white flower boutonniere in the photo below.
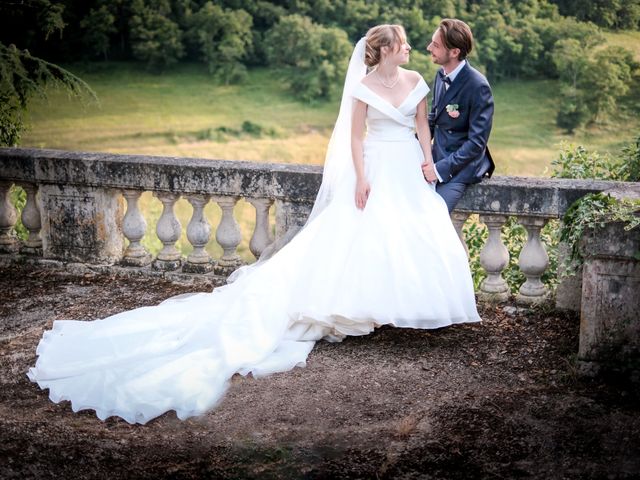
(452, 110)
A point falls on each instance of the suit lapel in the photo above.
(455, 87)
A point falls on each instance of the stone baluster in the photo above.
(32, 221)
(168, 230)
(198, 233)
(228, 236)
(134, 227)
(494, 257)
(458, 219)
(533, 262)
(261, 237)
(8, 218)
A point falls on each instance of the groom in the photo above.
(461, 115)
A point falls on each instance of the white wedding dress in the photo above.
(397, 262)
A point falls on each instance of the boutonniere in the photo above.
(452, 110)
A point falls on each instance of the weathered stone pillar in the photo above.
(81, 223)
(168, 230)
(134, 227)
(458, 219)
(198, 233)
(8, 218)
(533, 262)
(610, 307)
(32, 221)
(228, 235)
(262, 236)
(494, 257)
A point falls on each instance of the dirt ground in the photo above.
(500, 399)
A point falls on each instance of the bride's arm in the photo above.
(424, 137)
(357, 152)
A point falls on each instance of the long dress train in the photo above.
(399, 262)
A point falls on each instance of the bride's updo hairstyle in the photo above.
(382, 36)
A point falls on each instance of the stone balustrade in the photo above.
(83, 207)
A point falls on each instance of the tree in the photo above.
(606, 13)
(313, 58)
(223, 38)
(592, 83)
(155, 38)
(22, 76)
(98, 25)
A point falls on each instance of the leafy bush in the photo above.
(595, 210)
(155, 38)
(579, 163)
(223, 38)
(19, 199)
(313, 58)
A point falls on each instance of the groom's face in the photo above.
(440, 55)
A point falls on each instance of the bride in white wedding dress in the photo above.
(389, 256)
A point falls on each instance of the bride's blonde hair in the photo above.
(382, 36)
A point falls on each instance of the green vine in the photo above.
(594, 211)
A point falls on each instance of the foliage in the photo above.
(630, 169)
(595, 210)
(98, 26)
(606, 13)
(19, 199)
(313, 58)
(579, 163)
(514, 39)
(475, 235)
(21, 77)
(223, 38)
(423, 64)
(155, 38)
(608, 71)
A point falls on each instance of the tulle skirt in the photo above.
(399, 262)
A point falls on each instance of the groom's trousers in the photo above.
(451, 192)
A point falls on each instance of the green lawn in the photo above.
(627, 39)
(177, 113)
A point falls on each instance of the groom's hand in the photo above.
(429, 172)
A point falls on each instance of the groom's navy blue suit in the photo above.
(460, 144)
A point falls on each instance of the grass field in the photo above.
(184, 113)
(177, 114)
(627, 39)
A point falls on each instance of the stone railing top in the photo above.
(544, 197)
(172, 174)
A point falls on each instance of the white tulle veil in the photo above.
(338, 170)
(338, 176)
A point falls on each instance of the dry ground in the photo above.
(499, 399)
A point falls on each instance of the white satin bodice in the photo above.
(388, 123)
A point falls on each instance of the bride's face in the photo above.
(398, 54)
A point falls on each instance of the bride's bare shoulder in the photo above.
(412, 75)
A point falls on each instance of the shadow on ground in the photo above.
(499, 399)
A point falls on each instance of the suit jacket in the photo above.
(460, 144)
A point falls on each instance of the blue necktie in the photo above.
(444, 78)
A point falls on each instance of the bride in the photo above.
(378, 249)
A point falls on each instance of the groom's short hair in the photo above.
(456, 34)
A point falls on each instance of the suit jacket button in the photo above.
(449, 131)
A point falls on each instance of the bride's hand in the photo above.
(362, 193)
